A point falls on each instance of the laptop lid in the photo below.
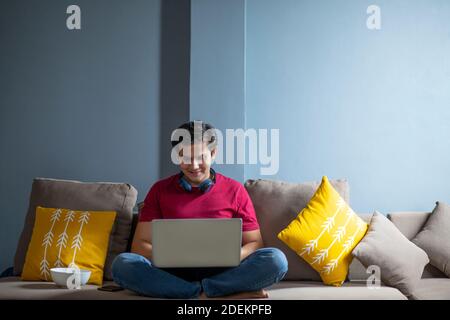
(186, 243)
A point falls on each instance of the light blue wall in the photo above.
(217, 82)
(370, 106)
(87, 104)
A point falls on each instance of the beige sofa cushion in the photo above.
(357, 271)
(410, 223)
(312, 290)
(75, 195)
(401, 261)
(434, 237)
(277, 203)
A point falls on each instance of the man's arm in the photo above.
(142, 240)
(251, 241)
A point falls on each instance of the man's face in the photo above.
(196, 161)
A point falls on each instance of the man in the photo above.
(199, 192)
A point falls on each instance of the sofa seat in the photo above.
(432, 289)
(12, 288)
(314, 290)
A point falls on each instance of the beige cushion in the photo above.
(434, 238)
(75, 195)
(312, 290)
(357, 271)
(401, 262)
(277, 203)
(410, 223)
(432, 289)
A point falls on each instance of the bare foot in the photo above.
(260, 294)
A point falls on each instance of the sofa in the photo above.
(301, 281)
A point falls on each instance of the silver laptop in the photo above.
(189, 243)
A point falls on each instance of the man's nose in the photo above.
(195, 164)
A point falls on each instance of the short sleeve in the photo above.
(151, 209)
(245, 210)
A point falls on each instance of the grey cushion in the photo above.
(13, 288)
(410, 223)
(434, 238)
(432, 289)
(401, 261)
(356, 271)
(75, 195)
(277, 203)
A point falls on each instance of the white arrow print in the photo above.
(44, 268)
(76, 242)
(78, 239)
(318, 258)
(333, 263)
(338, 235)
(326, 227)
(48, 239)
(63, 237)
(309, 247)
(330, 266)
(328, 224)
(46, 243)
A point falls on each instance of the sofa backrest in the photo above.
(77, 195)
(133, 229)
(277, 203)
(409, 223)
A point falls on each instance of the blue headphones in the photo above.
(204, 187)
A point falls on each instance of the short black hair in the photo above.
(206, 130)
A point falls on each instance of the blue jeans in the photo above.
(259, 270)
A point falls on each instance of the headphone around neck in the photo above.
(204, 187)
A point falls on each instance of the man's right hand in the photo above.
(142, 241)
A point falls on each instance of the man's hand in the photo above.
(142, 240)
(251, 241)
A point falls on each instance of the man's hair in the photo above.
(203, 132)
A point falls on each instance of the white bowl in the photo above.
(60, 275)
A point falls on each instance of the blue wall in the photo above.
(88, 104)
(370, 106)
(217, 82)
(100, 103)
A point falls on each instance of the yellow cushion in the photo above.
(61, 237)
(325, 233)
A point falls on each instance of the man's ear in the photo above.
(213, 153)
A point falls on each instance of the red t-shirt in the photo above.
(226, 199)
